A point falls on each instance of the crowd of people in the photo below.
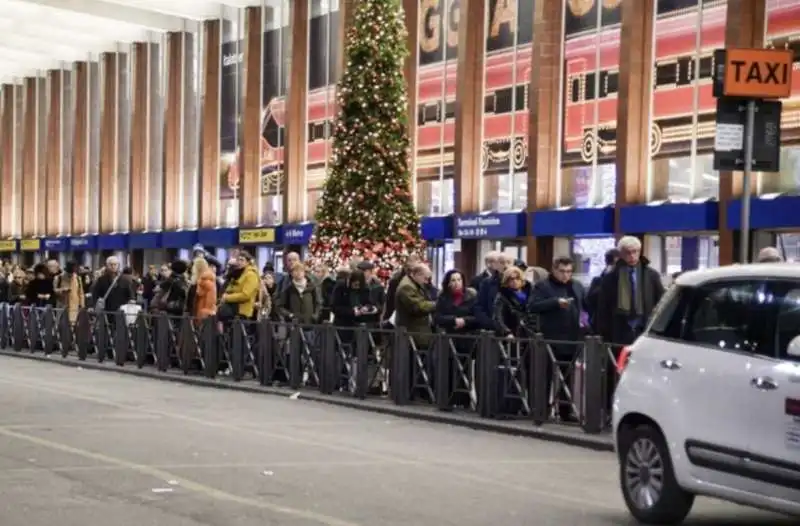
(506, 297)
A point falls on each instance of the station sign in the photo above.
(257, 236)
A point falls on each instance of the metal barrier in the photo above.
(534, 379)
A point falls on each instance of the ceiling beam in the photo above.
(122, 13)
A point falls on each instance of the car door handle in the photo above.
(764, 383)
(672, 365)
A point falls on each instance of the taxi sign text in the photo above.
(758, 73)
(257, 235)
(8, 246)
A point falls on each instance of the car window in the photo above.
(668, 316)
(788, 322)
(736, 316)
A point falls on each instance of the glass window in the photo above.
(591, 76)
(667, 320)
(507, 69)
(783, 32)
(323, 74)
(436, 95)
(683, 111)
(232, 57)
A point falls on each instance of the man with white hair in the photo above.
(769, 255)
(628, 294)
(490, 261)
(489, 289)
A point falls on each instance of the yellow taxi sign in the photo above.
(257, 236)
(758, 73)
(8, 246)
(30, 245)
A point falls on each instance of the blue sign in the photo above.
(55, 244)
(83, 243)
(491, 225)
(297, 234)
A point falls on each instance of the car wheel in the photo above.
(647, 478)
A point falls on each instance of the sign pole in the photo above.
(749, 135)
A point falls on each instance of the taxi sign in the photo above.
(257, 236)
(8, 246)
(758, 73)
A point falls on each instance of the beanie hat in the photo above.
(179, 267)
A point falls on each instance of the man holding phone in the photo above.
(560, 303)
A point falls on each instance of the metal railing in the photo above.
(542, 381)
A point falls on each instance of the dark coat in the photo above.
(447, 311)
(303, 308)
(487, 294)
(510, 316)
(122, 293)
(344, 302)
(558, 323)
(613, 325)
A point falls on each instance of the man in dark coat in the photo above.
(628, 294)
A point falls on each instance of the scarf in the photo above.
(626, 302)
(300, 286)
(521, 295)
(458, 297)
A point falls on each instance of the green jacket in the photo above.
(413, 311)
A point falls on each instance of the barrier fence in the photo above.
(542, 381)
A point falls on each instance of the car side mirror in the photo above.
(794, 347)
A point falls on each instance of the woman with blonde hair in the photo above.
(205, 285)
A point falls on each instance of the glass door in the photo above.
(441, 259)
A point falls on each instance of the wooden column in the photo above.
(295, 152)
(141, 113)
(250, 166)
(469, 120)
(635, 97)
(745, 25)
(173, 131)
(30, 166)
(210, 125)
(80, 151)
(109, 141)
(55, 154)
(7, 169)
(545, 115)
(411, 72)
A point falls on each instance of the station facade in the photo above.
(538, 128)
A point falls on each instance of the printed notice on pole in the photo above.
(729, 138)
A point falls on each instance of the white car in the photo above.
(709, 398)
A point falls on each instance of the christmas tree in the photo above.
(367, 208)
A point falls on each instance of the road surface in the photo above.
(91, 448)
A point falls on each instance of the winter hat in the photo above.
(179, 267)
(198, 248)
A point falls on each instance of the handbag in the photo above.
(100, 304)
(227, 311)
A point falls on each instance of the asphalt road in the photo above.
(90, 448)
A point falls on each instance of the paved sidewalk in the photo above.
(551, 432)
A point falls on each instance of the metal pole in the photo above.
(749, 131)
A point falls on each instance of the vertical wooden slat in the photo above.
(469, 105)
(295, 152)
(744, 28)
(544, 117)
(80, 150)
(469, 120)
(7, 136)
(173, 113)
(635, 99)
(140, 147)
(55, 153)
(210, 125)
(29, 160)
(109, 141)
(250, 167)
(40, 207)
(411, 73)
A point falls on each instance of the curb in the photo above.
(593, 442)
